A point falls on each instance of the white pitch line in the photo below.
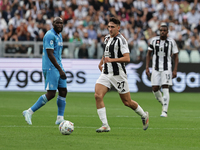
(124, 128)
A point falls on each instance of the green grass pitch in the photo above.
(179, 131)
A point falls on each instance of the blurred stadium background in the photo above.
(23, 24)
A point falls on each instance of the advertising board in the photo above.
(25, 74)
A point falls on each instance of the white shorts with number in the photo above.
(161, 77)
(120, 82)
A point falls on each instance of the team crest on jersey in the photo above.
(166, 44)
(106, 41)
(157, 43)
(51, 42)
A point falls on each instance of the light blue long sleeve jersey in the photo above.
(54, 41)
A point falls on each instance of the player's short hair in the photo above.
(163, 24)
(56, 18)
(115, 20)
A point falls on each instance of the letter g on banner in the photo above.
(179, 84)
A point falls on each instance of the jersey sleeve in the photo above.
(150, 47)
(124, 46)
(175, 48)
(49, 41)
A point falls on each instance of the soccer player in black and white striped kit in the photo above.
(164, 49)
(113, 73)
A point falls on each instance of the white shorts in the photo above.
(161, 77)
(120, 82)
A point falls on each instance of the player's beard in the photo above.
(59, 29)
(163, 37)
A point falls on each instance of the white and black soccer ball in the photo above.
(66, 127)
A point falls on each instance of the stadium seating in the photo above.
(194, 56)
(184, 57)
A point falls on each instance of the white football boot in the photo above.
(163, 114)
(145, 121)
(103, 128)
(27, 117)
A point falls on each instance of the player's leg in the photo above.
(166, 81)
(61, 103)
(126, 99)
(101, 88)
(51, 84)
(157, 93)
(120, 83)
(166, 98)
(100, 91)
(156, 82)
(61, 99)
(42, 100)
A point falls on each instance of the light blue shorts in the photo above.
(53, 80)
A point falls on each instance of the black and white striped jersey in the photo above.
(162, 53)
(115, 47)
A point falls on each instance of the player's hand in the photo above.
(107, 59)
(174, 74)
(147, 72)
(62, 75)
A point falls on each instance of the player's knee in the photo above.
(165, 86)
(126, 103)
(63, 92)
(155, 89)
(50, 95)
(98, 96)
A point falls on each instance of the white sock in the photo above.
(158, 96)
(30, 111)
(140, 111)
(165, 99)
(60, 117)
(102, 115)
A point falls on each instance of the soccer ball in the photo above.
(66, 127)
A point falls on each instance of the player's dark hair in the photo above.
(164, 26)
(115, 20)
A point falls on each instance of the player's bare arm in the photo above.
(100, 64)
(124, 59)
(174, 73)
(148, 57)
(55, 63)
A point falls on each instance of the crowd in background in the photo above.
(85, 22)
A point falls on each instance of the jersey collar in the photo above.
(55, 32)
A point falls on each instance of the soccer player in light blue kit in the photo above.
(54, 74)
